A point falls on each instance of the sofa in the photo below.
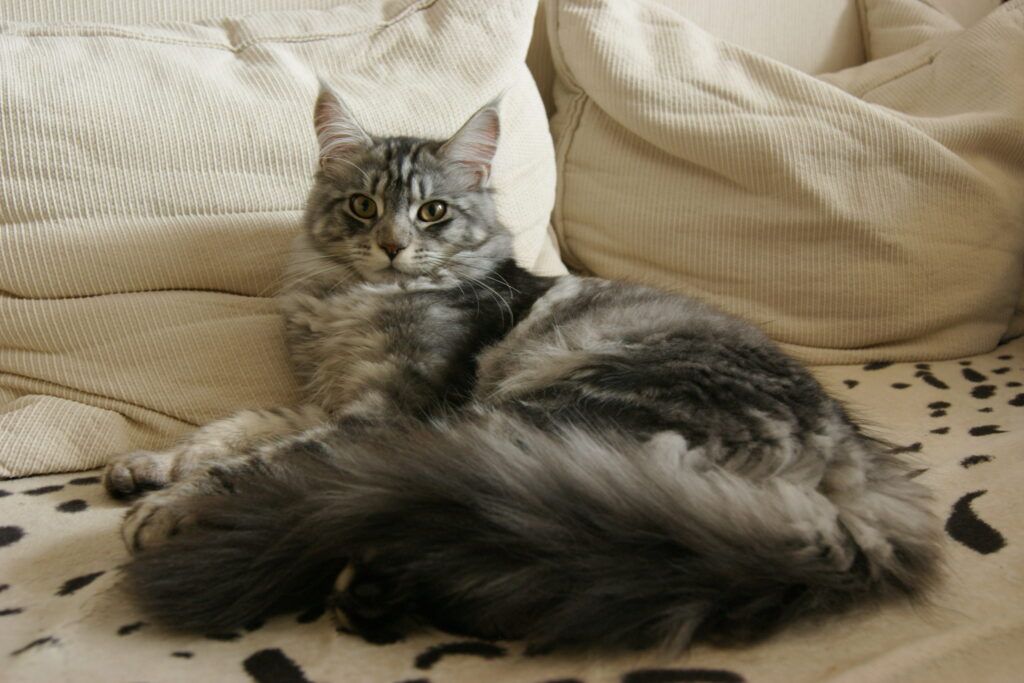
(847, 174)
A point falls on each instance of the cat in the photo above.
(570, 461)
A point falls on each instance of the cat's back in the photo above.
(642, 361)
(581, 319)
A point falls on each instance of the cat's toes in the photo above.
(367, 606)
(154, 519)
(135, 473)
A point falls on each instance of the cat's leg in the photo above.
(230, 438)
(161, 514)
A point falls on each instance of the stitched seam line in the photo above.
(91, 394)
(574, 116)
(865, 32)
(6, 294)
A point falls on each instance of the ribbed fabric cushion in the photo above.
(773, 28)
(966, 12)
(154, 175)
(893, 26)
(150, 11)
(877, 220)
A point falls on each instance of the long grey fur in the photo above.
(493, 527)
(570, 461)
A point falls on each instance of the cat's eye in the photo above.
(362, 206)
(431, 212)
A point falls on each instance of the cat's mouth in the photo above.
(392, 272)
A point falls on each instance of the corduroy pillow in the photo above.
(153, 177)
(876, 214)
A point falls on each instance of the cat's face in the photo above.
(392, 209)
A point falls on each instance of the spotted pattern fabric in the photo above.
(961, 422)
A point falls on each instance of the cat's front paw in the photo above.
(135, 473)
(156, 518)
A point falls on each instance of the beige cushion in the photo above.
(893, 26)
(812, 36)
(149, 11)
(880, 219)
(966, 12)
(774, 28)
(153, 177)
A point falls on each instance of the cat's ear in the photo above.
(474, 145)
(337, 130)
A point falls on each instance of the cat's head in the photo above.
(395, 208)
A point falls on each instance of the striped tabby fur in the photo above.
(570, 461)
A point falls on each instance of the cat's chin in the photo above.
(389, 275)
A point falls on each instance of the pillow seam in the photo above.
(92, 394)
(865, 30)
(574, 117)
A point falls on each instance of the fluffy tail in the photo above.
(503, 531)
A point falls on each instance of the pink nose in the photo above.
(391, 249)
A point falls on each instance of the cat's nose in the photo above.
(391, 249)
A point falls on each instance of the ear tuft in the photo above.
(337, 130)
(475, 144)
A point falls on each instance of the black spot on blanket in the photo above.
(433, 655)
(273, 666)
(985, 430)
(673, 675)
(850, 383)
(1013, 384)
(182, 654)
(36, 643)
(43, 489)
(11, 611)
(1005, 357)
(79, 582)
(130, 628)
(912, 448)
(966, 527)
(4, 493)
(983, 391)
(1000, 371)
(934, 381)
(941, 430)
(10, 534)
(939, 405)
(972, 460)
(225, 637)
(877, 365)
(83, 481)
(900, 385)
(1017, 400)
(76, 505)
(972, 375)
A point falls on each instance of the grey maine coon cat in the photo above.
(569, 461)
